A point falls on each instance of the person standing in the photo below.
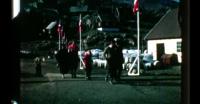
(73, 58)
(110, 54)
(62, 57)
(87, 59)
(119, 58)
(38, 66)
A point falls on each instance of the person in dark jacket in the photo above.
(110, 56)
(119, 58)
(73, 58)
(62, 58)
(38, 66)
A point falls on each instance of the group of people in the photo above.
(114, 57)
(68, 60)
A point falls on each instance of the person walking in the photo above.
(87, 59)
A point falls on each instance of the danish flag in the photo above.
(135, 6)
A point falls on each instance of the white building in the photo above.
(165, 36)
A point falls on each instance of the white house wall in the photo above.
(169, 44)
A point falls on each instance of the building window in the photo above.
(178, 46)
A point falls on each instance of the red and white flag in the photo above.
(60, 30)
(135, 6)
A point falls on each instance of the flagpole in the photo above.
(138, 41)
(59, 42)
(80, 36)
(136, 10)
(59, 25)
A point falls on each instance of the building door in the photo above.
(160, 50)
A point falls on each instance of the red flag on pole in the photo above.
(135, 6)
(60, 30)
